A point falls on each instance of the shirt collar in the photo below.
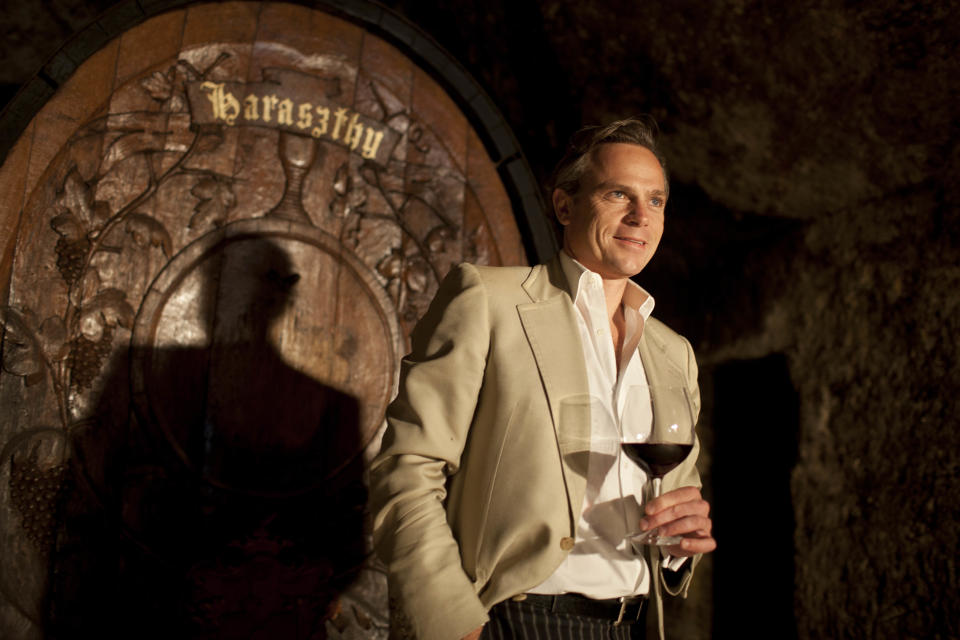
(577, 275)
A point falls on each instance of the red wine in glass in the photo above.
(656, 459)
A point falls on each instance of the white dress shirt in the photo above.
(601, 564)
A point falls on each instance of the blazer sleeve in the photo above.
(427, 427)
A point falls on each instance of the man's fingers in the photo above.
(681, 512)
(671, 498)
(691, 546)
(674, 512)
(691, 525)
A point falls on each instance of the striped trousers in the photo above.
(511, 620)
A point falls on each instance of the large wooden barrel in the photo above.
(216, 236)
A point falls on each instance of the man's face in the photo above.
(614, 223)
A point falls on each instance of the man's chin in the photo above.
(624, 269)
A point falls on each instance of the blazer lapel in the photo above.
(659, 369)
(551, 329)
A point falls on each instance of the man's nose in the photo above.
(638, 216)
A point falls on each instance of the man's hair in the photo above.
(641, 131)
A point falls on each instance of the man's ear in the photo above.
(562, 205)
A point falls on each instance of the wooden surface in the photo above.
(203, 321)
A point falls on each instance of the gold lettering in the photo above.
(225, 106)
(306, 118)
(250, 111)
(371, 144)
(340, 115)
(323, 118)
(285, 112)
(269, 102)
(354, 131)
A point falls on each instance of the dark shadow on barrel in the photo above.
(756, 428)
(229, 504)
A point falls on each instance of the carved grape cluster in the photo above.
(71, 257)
(86, 357)
(36, 494)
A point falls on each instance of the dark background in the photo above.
(811, 255)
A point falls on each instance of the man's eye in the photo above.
(618, 194)
(657, 202)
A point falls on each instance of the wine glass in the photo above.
(656, 433)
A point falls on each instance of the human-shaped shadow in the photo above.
(235, 490)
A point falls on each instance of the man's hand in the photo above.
(682, 512)
(473, 635)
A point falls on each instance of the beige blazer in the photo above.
(479, 483)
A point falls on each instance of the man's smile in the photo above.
(636, 241)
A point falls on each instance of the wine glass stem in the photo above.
(655, 488)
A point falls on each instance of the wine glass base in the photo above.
(654, 539)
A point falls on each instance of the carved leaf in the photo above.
(148, 231)
(190, 71)
(209, 211)
(216, 199)
(176, 104)
(159, 85)
(131, 144)
(339, 207)
(369, 174)
(77, 196)
(68, 226)
(415, 136)
(53, 338)
(111, 304)
(348, 197)
(91, 325)
(101, 211)
(22, 353)
(356, 199)
(391, 266)
(416, 276)
(211, 137)
(477, 249)
(351, 234)
(438, 238)
(399, 121)
(87, 288)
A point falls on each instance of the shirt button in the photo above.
(566, 543)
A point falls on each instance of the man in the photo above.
(492, 488)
